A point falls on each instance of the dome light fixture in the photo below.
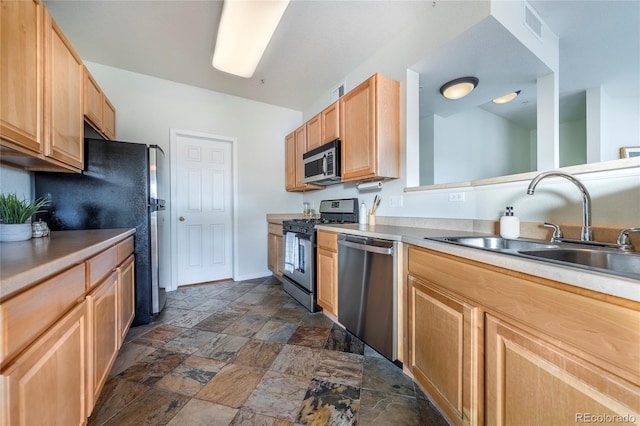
(506, 98)
(459, 88)
(246, 27)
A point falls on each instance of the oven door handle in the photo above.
(301, 263)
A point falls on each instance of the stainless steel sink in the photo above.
(627, 264)
(498, 243)
(598, 257)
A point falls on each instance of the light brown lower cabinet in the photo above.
(275, 254)
(104, 335)
(57, 373)
(492, 346)
(47, 383)
(126, 301)
(327, 271)
(443, 349)
(526, 373)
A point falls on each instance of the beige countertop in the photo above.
(627, 288)
(24, 263)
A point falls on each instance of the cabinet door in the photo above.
(126, 297)
(290, 161)
(331, 122)
(358, 122)
(531, 382)
(314, 133)
(64, 136)
(279, 256)
(271, 252)
(93, 101)
(274, 253)
(47, 384)
(443, 350)
(327, 280)
(327, 271)
(21, 73)
(102, 306)
(109, 119)
(301, 148)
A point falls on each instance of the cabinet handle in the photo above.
(181, 218)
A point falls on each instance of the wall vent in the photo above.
(532, 20)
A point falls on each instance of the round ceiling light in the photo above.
(506, 98)
(459, 88)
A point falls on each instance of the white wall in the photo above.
(616, 194)
(15, 180)
(488, 146)
(573, 143)
(148, 107)
(621, 118)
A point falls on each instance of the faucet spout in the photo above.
(586, 234)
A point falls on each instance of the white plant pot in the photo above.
(15, 232)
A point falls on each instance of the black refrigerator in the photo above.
(122, 186)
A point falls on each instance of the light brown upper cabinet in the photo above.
(41, 104)
(324, 127)
(370, 130)
(21, 74)
(109, 119)
(290, 161)
(295, 147)
(331, 122)
(64, 136)
(314, 132)
(98, 111)
(93, 104)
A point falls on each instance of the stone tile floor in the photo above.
(245, 353)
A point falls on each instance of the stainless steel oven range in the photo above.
(299, 248)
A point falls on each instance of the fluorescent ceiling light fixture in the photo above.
(459, 88)
(506, 98)
(246, 27)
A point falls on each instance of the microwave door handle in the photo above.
(324, 164)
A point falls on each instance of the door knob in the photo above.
(181, 218)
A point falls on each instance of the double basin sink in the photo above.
(590, 256)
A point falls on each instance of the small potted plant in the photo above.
(15, 215)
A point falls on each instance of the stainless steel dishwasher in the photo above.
(366, 291)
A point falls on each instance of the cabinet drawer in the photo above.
(328, 240)
(124, 250)
(100, 266)
(275, 229)
(27, 315)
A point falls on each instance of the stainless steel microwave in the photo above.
(322, 164)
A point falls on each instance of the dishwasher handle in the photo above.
(366, 247)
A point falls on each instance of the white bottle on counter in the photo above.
(363, 215)
(509, 224)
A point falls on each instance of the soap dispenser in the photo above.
(363, 215)
(509, 224)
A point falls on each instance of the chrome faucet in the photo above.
(624, 242)
(586, 233)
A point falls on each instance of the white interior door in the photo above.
(203, 207)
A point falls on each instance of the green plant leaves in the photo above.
(15, 210)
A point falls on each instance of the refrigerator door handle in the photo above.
(157, 204)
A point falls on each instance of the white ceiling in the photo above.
(319, 42)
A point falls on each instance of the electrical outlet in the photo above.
(456, 197)
(395, 201)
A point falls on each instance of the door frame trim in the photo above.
(173, 146)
